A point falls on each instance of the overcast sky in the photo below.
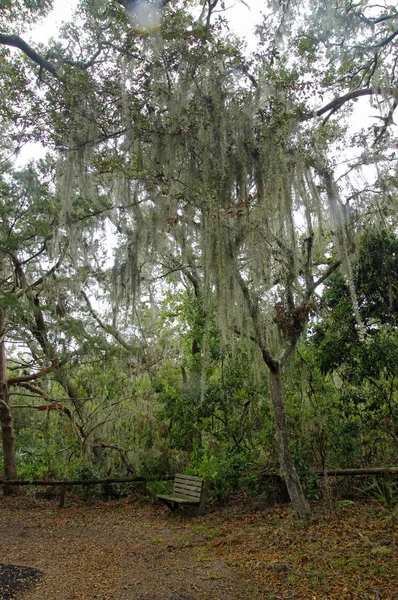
(243, 19)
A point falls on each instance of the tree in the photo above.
(47, 340)
(25, 218)
(362, 355)
(194, 152)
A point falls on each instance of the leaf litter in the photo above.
(129, 550)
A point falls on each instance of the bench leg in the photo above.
(202, 503)
(170, 504)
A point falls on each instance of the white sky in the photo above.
(243, 18)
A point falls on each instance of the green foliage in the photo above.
(13, 12)
(154, 488)
(384, 491)
(354, 404)
(199, 160)
(225, 471)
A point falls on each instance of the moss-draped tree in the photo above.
(194, 152)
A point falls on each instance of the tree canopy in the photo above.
(241, 180)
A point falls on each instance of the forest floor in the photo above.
(134, 550)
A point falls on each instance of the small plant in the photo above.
(384, 491)
(340, 504)
(154, 488)
(199, 528)
(382, 551)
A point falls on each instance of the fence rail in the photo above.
(8, 484)
(62, 482)
(386, 472)
(370, 471)
(33, 482)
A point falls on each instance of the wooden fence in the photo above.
(64, 484)
(386, 472)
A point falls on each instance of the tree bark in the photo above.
(7, 429)
(288, 470)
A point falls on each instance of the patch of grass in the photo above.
(198, 528)
(293, 579)
(202, 554)
(337, 563)
(341, 504)
(211, 575)
(382, 550)
(212, 534)
(377, 570)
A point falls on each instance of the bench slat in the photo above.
(181, 499)
(190, 488)
(193, 490)
(188, 485)
(188, 477)
(185, 492)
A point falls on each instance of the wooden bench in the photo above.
(188, 490)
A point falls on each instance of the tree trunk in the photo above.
(7, 429)
(288, 470)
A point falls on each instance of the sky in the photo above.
(242, 16)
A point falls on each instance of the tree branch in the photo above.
(107, 328)
(323, 278)
(127, 3)
(341, 100)
(32, 376)
(17, 42)
(51, 271)
(34, 389)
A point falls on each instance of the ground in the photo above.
(135, 550)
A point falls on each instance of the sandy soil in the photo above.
(111, 551)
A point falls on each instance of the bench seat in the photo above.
(187, 490)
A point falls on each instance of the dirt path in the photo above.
(110, 551)
(128, 550)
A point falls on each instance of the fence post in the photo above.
(62, 494)
(387, 486)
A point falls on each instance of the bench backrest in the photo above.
(188, 485)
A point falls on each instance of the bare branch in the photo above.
(323, 278)
(32, 376)
(18, 42)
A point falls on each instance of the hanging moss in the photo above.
(216, 178)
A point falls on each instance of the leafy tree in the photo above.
(363, 354)
(203, 159)
(26, 216)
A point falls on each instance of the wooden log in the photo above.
(387, 477)
(61, 503)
